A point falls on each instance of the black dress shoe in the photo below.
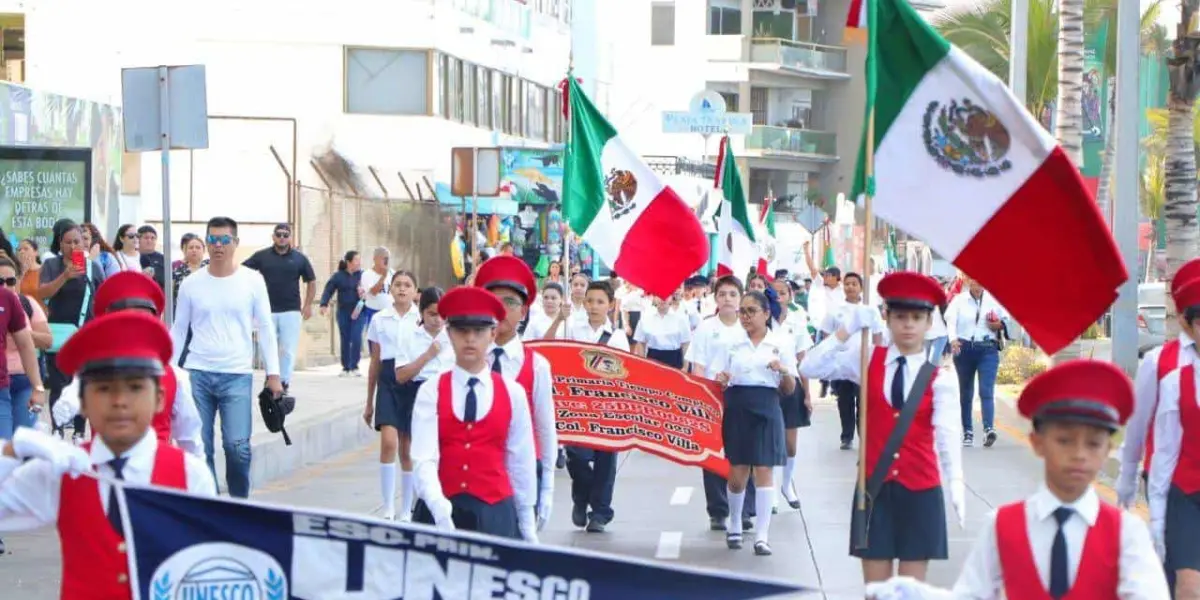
(716, 524)
(579, 516)
(747, 524)
(561, 461)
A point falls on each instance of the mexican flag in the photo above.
(766, 251)
(960, 164)
(633, 222)
(738, 253)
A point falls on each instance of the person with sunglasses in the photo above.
(283, 267)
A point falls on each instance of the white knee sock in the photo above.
(785, 484)
(762, 520)
(773, 497)
(387, 488)
(736, 502)
(407, 493)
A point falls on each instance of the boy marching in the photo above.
(473, 452)
(913, 432)
(120, 360)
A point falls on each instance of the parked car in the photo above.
(1152, 316)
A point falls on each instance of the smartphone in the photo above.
(78, 258)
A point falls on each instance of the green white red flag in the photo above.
(738, 252)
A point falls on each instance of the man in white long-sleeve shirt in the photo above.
(216, 316)
(474, 459)
(974, 322)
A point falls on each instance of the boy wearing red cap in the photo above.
(472, 437)
(178, 421)
(510, 279)
(120, 359)
(913, 436)
(1156, 365)
(1061, 542)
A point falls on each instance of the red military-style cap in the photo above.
(907, 289)
(507, 272)
(471, 307)
(1187, 295)
(124, 341)
(1189, 271)
(1082, 391)
(129, 289)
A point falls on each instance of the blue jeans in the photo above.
(287, 334)
(14, 406)
(350, 331)
(230, 394)
(982, 359)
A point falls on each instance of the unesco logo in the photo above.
(219, 570)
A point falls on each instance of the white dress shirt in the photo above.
(1168, 439)
(833, 360)
(539, 324)
(30, 492)
(414, 341)
(966, 317)
(659, 331)
(824, 300)
(185, 417)
(383, 299)
(1141, 576)
(795, 326)
(511, 362)
(520, 457)
(845, 315)
(387, 326)
(582, 331)
(710, 338)
(1145, 388)
(747, 364)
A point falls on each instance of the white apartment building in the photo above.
(388, 84)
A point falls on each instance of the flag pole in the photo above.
(566, 247)
(864, 389)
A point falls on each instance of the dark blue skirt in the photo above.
(795, 414)
(753, 427)
(671, 358)
(1182, 530)
(472, 514)
(905, 525)
(394, 400)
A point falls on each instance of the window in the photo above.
(483, 96)
(454, 90)
(498, 105)
(662, 24)
(555, 116)
(468, 90)
(384, 81)
(535, 107)
(515, 100)
(439, 84)
(724, 17)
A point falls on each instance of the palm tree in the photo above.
(1179, 205)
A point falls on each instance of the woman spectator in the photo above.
(69, 291)
(29, 258)
(126, 246)
(99, 250)
(347, 282)
(193, 260)
(18, 414)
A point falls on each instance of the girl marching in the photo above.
(540, 318)
(797, 407)
(663, 334)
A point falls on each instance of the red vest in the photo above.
(525, 378)
(1099, 571)
(1168, 361)
(94, 564)
(916, 467)
(1187, 470)
(472, 454)
(162, 419)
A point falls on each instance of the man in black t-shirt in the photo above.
(283, 268)
(153, 262)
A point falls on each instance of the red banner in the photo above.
(607, 399)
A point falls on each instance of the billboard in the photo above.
(532, 175)
(39, 186)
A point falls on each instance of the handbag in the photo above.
(274, 412)
(61, 332)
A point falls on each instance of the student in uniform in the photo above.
(1157, 364)
(663, 334)
(540, 318)
(472, 449)
(797, 407)
(388, 407)
(907, 515)
(593, 472)
(838, 313)
(708, 341)
(120, 359)
(511, 280)
(754, 370)
(1063, 541)
(572, 312)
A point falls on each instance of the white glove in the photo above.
(1127, 488)
(544, 508)
(66, 407)
(905, 588)
(64, 457)
(1158, 535)
(442, 514)
(958, 499)
(527, 525)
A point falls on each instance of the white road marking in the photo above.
(669, 544)
(682, 495)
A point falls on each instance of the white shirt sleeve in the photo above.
(1142, 575)
(185, 418)
(697, 350)
(425, 448)
(543, 419)
(520, 453)
(183, 320)
(373, 331)
(1168, 434)
(199, 477)
(982, 577)
(833, 360)
(947, 424)
(952, 317)
(1145, 388)
(685, 330)
(639, 334)
(265, 325)
(29, 495)
(618, 340)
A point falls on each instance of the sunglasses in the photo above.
(223, 240)
(283, 234)
(8, 281)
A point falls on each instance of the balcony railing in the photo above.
(676, 165)
(816, 59)
(784, 140)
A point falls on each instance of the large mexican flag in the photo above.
(960, 164)
(738, 251)
(636, 224)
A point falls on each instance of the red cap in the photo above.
(1085, 391)
(1189, 271)
(1187, 295)
(129, 289)
(471, 307)
(507, 272)
(910, 289)
(123, 340)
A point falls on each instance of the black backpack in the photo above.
(275, 411)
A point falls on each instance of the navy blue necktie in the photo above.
(1058, 555)
(898, 384)
(496, 354)
(114, 509)
(472, 404)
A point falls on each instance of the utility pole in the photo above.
(1125, 204)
